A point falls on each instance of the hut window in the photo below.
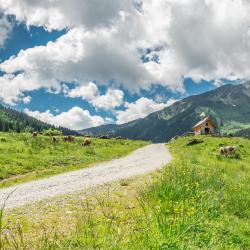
(207, 124)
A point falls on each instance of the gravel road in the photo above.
(141, 161)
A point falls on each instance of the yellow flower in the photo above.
(191, 211)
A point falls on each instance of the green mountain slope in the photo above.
(13, 120)
(243, 133)
(228, 105)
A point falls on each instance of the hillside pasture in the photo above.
(200, 201)
(23, 157)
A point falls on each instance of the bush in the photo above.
(52, 132)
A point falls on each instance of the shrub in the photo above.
(52, 132)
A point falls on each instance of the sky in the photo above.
(85, 63)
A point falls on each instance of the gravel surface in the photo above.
(141, 161)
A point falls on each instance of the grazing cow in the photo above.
(69, 138)
(229, 150)
(34, 134)
(54, 139)
(87, 142)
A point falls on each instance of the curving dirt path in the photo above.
(141, 161)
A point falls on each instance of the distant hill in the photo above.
(243, 133)
(228, 105)
(13, 120)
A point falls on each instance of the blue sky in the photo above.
(112, 66)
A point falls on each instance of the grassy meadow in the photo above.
(24, 158)
(200, 201)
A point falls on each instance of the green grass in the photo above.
(24, 158)
(200, 201)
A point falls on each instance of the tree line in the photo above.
(16, 121)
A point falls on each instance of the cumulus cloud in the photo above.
(76, 118)
(5, 29)
(39, 67)
(210, 40)
(106, 40)
(75, 57)
(111, 99)
(27, 99)
(87, 92)
(109, 53)
(139, 109)
(66, 14)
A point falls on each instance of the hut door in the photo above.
(207, 130)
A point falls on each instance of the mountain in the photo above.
(108, 128)
(13, 120)
(228, 105)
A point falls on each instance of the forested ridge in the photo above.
(16, 121)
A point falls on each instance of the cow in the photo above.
(229, 150)
(34, 134)
(54, 139)
(69, 138)
(87, 142)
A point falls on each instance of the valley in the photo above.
(124, 125)
(228, 105)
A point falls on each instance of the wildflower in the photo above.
(191, 211)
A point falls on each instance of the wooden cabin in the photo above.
(205, 127)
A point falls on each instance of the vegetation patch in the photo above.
(24, 157)
(199, 201)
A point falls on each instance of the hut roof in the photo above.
(203, 121)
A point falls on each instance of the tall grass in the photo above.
(200, 202)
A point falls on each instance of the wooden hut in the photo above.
(205, 127)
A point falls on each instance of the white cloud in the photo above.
(75, 57)
(139, 109)
(76, 118)
(5, 29)
(54, 14)
(218, 83)
(170, 102)
(111, 99)
(210, 40)
(27, 99)
(86, 92)
(202, 39)
(40, 67)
